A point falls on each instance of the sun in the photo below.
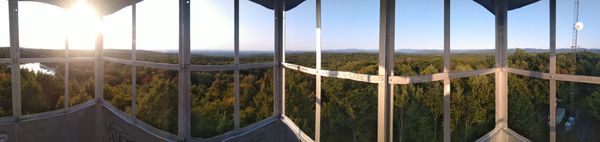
(83, 25)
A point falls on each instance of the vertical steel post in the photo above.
(278, 69)
(385, 97)
(447, 97)
(66, 83)
(236, 60)
(318, 76)
(99, 81)
(552, 65)
(99, 66)
(13, 17)
(282, 59)
(133, 58)
(501, 61)
(184, 98)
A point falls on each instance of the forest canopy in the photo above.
(349, 111)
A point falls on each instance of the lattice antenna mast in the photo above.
(574, 47)
(575, 20)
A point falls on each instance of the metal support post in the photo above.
(385, 99)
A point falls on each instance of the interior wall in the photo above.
(75, 126)
(114, 128)
(84, 125)
(78, 126)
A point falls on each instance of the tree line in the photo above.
(349, 111)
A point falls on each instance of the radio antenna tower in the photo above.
(576, 27)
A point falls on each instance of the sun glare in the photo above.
(83, 24)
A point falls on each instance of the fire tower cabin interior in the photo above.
(133, 94)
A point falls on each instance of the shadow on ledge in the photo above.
(99, 122)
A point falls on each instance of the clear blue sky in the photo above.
(346, 24)
(419, 25)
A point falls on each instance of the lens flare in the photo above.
(579, 26)
(83, 25)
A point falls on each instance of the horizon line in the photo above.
(345, 49)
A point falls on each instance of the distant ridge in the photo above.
(352, 50)
(457, 51)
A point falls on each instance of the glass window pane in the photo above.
(420, 41)
(472, 36)
(300, 35)
(4, 31)
(212, 32)
(84, 25)
(577, 113)
(117, 34)
(43, 29)
(158, 31)
(5, 91)
(349, 110)
(419, 111)
(528, 107)
(585, 61)
(257, 36)
(350, 36)
(472, 107)
(81, 82)
(300, 100)
(42, 87)
(256, 95)
(117, 88)
(528, 32)
(212, 103)
(36, 38)
(156, 100)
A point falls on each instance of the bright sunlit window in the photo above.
(44, 26)
(83, 25)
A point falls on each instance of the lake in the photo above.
(38, 68)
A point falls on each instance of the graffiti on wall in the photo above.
(3, 137)
(116, 133)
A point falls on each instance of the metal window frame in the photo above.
(184, 110)
(501, 70)
(133, 116)
(318, 81)
(385, 78)
(385, 97)
(501, 77)
(447, 91)
(66, 79)
(279, 58)
(552, 69)
(236, 60)
(13, 12)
